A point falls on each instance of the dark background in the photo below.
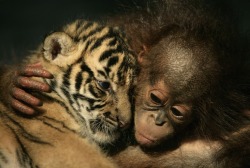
(23, 23)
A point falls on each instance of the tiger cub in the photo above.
(93, 70)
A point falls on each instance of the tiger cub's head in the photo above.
(94, 70)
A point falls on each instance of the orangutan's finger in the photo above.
(17, 105)
(25, 97)
(29, 83)
(37, 72)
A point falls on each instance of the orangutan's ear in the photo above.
(141, 55)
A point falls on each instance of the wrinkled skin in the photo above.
(21, 99)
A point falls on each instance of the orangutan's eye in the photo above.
(177, 113)
(155, 99)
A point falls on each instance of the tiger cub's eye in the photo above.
(104, 85)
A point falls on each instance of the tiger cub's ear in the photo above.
(59, 48)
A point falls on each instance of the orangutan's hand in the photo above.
(21, 99)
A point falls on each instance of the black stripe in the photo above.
(24, 159)
(113, 42)
(66, 77)
(92, 91)
(92, 32)
(99, 41)
(79, 23)
(27, 135)
(78, 79)
(112, 61)
(120, 74)
(102, 73)
(82, 97)
(65, 85)
(89, 100)
(80, 120)
(87, 44)
(87, 25)
(23, 156)
(97, 44)
(51, 126)
(88, 80)
(124, 66)
(52, 83)
(67, 94)
(85, 68)
(107, 70)
(81, 27)
(78, 105)
(98, 106)
(21, 153)
(120, 49)
(108, 53)
(60, 122)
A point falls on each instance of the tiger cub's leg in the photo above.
(12, 154)
(57, 147)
